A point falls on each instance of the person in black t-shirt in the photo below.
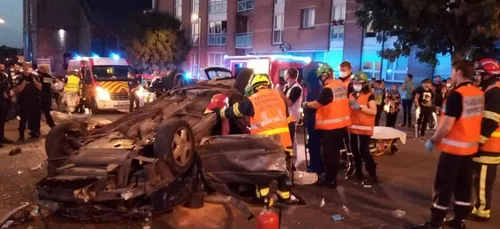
(47, 82)
(133, 86)
(29, 87)
(423, 101)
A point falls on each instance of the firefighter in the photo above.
(268, 114)
(332, 118)
(457, 138)
(488, 157)
(71, 95)
(364, 109)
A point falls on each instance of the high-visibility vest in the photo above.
(493, 143)
(73, 84)
(362, 123)
(464, 135)
(347, 81)
(336, 114)
(270, 116)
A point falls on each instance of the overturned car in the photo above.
(157, 157)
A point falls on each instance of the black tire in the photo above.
(58, 146)
(164, 145)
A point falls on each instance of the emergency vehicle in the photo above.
(272, 65)
(104, 81)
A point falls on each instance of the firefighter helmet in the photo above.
(324, 69)
(259, 80)
(488, 66)
(360, 77)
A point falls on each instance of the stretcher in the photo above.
(385, 140)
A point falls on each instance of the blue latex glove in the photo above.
(429, 145)
(352, 102)
(356, 106)
(304, 104)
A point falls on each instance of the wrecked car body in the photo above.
(158, 156)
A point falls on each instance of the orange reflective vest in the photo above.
(270, 116)
(362, 123)
(493, 143)
(464, 135)
(336, 114)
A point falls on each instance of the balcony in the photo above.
(217, 39)
(245, 5)
(217, 7)
(244, 40)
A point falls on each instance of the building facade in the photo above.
(324, 30)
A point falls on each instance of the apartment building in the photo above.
(325, 30)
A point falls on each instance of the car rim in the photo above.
(181, 147)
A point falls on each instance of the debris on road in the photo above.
(7, 196)
(337, 217)
(398, 213)
(39, 166)
(15, 151)
(19, 172)
(7, 224)
(346, 209)
(322, 203)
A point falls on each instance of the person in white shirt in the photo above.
(292, 91)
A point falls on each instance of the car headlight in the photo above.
(102, 94)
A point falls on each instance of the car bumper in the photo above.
(113, 104)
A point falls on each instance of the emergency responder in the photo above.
(29, 87)
(4, 101)
(134, 85)
(346, 76)
(293, 98)
(457, 138)
(47, 82)
(488, 157)
(332, 117)
(71, 96)
(364, 109)
(268, 116)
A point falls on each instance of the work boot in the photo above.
(372, 171)
(428, 225)
(455, 223)
(480, 215)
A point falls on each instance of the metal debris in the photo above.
(7, 224)
(15, 151)
(19, 172)
(398, 213)
(337, 217)
(39, 166)
(322, 203)
(346, 209)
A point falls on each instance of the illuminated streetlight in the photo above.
(2, 21)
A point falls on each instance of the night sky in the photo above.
(11, 32)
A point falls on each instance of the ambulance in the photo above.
(104, 81)
(273, 65)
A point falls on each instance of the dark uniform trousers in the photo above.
(453, 178)
(3, 116)
(30, 113)
(331, 145)
(484, 178)
(134, 99)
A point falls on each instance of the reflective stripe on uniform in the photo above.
(495, 134)
(491, 115)
(236, 110)
(482, 187)
(361, 127)
(458, 144)
(267, 122)
(487, 160)
(274, 131)
(330, 121)
(483, 139)
(461, 203)
(436, 206)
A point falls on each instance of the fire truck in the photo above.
(104, 82)
(272, 65)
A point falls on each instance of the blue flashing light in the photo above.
(188, 75)
(78, 57)
(114, 56)
(95, 56)
(389, 71)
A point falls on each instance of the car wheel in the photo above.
(61, 141)
(174, 144)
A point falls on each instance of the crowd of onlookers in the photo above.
(427, 96)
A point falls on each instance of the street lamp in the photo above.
(197, 18)
(2, 21)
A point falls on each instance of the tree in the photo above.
(155, 40)
(461, 28)
(8, 55)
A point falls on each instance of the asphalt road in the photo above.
(402, 198)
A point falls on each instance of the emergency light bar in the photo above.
(307, 60)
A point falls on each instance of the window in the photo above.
(372, 69)
(308, 15)
(178, 9)
(195, 4)
(195, 32)
(337, 32)
(278, 29)
(217, 6)
(396, 71)
(217, 33)
(279, 1)
(195, 65)
(339, 12)
(216, 59)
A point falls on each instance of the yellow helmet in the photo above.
(259, 80)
